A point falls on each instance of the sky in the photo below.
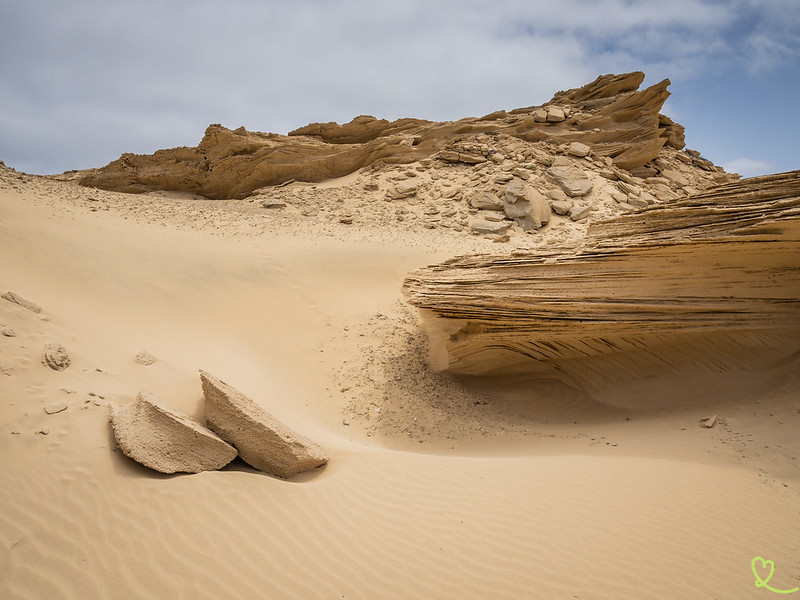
(82, 82)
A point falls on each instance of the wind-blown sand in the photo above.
(435, 488)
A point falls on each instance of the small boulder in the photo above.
(165, 440)
(579, 212)
(262, 441)
(540, 115)
(485, 201)
(571, 179)
(56, 357)
(555, 114)
(578, 149)
(9, 332)
(402, 190)
(526, 205)
(561, 207)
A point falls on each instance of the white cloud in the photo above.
(748, 167)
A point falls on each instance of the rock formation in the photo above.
(262, 441)
(56, 357)
(166, 441)
(17, 299)
(707, 278)
(610, 117)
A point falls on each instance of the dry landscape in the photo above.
(545, 353)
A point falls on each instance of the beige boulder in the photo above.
(165, 440)
(56, 357)
(571, 179)
(262, 441)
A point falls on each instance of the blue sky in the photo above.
(83, 81)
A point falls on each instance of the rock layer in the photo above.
(262, 441)
(165, 440)
(714, 274)
(609, 116)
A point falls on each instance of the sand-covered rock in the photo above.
(165, 440)
(23, 302)
(56, 357)
(262, 441)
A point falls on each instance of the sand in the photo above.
(435, 487)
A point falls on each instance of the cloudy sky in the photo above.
(83, 81)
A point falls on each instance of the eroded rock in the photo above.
(165, 440)
(261, 440)
(24, 303)
(56, 357)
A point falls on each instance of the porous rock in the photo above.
(165, 440)
(56, 357)
(262, 441)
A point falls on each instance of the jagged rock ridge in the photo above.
(610, 115)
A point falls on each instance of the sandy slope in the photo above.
(435, 488)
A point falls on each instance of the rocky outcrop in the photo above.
(262, 441)
(609, 117)
(166, 441)
(714, 275)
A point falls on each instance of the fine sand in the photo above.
(435, 487)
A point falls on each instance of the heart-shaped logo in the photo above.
(763, 570)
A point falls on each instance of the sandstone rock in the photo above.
(562, 161)
(17, 299)
(555, 114)
(402, 190)
(526, 205)
(578, 149)
(56, 357)
(637, 202)
(485, 201)
(53, 409)
(9, 332)
(618, 196)
(540, 115)
(491, 215)
(675, 176)
(6, 368)
(572, 180)
(262, 441)
(625, 125)
(579, 211)
(557, 195)
(561, 207)
(479, 225)
(165, 440)
(620, 307)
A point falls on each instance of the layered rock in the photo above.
(166, 441)
(609, 116)
(713, 277)
(56, 357)
(262, 441)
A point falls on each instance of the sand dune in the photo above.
(600, 479)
